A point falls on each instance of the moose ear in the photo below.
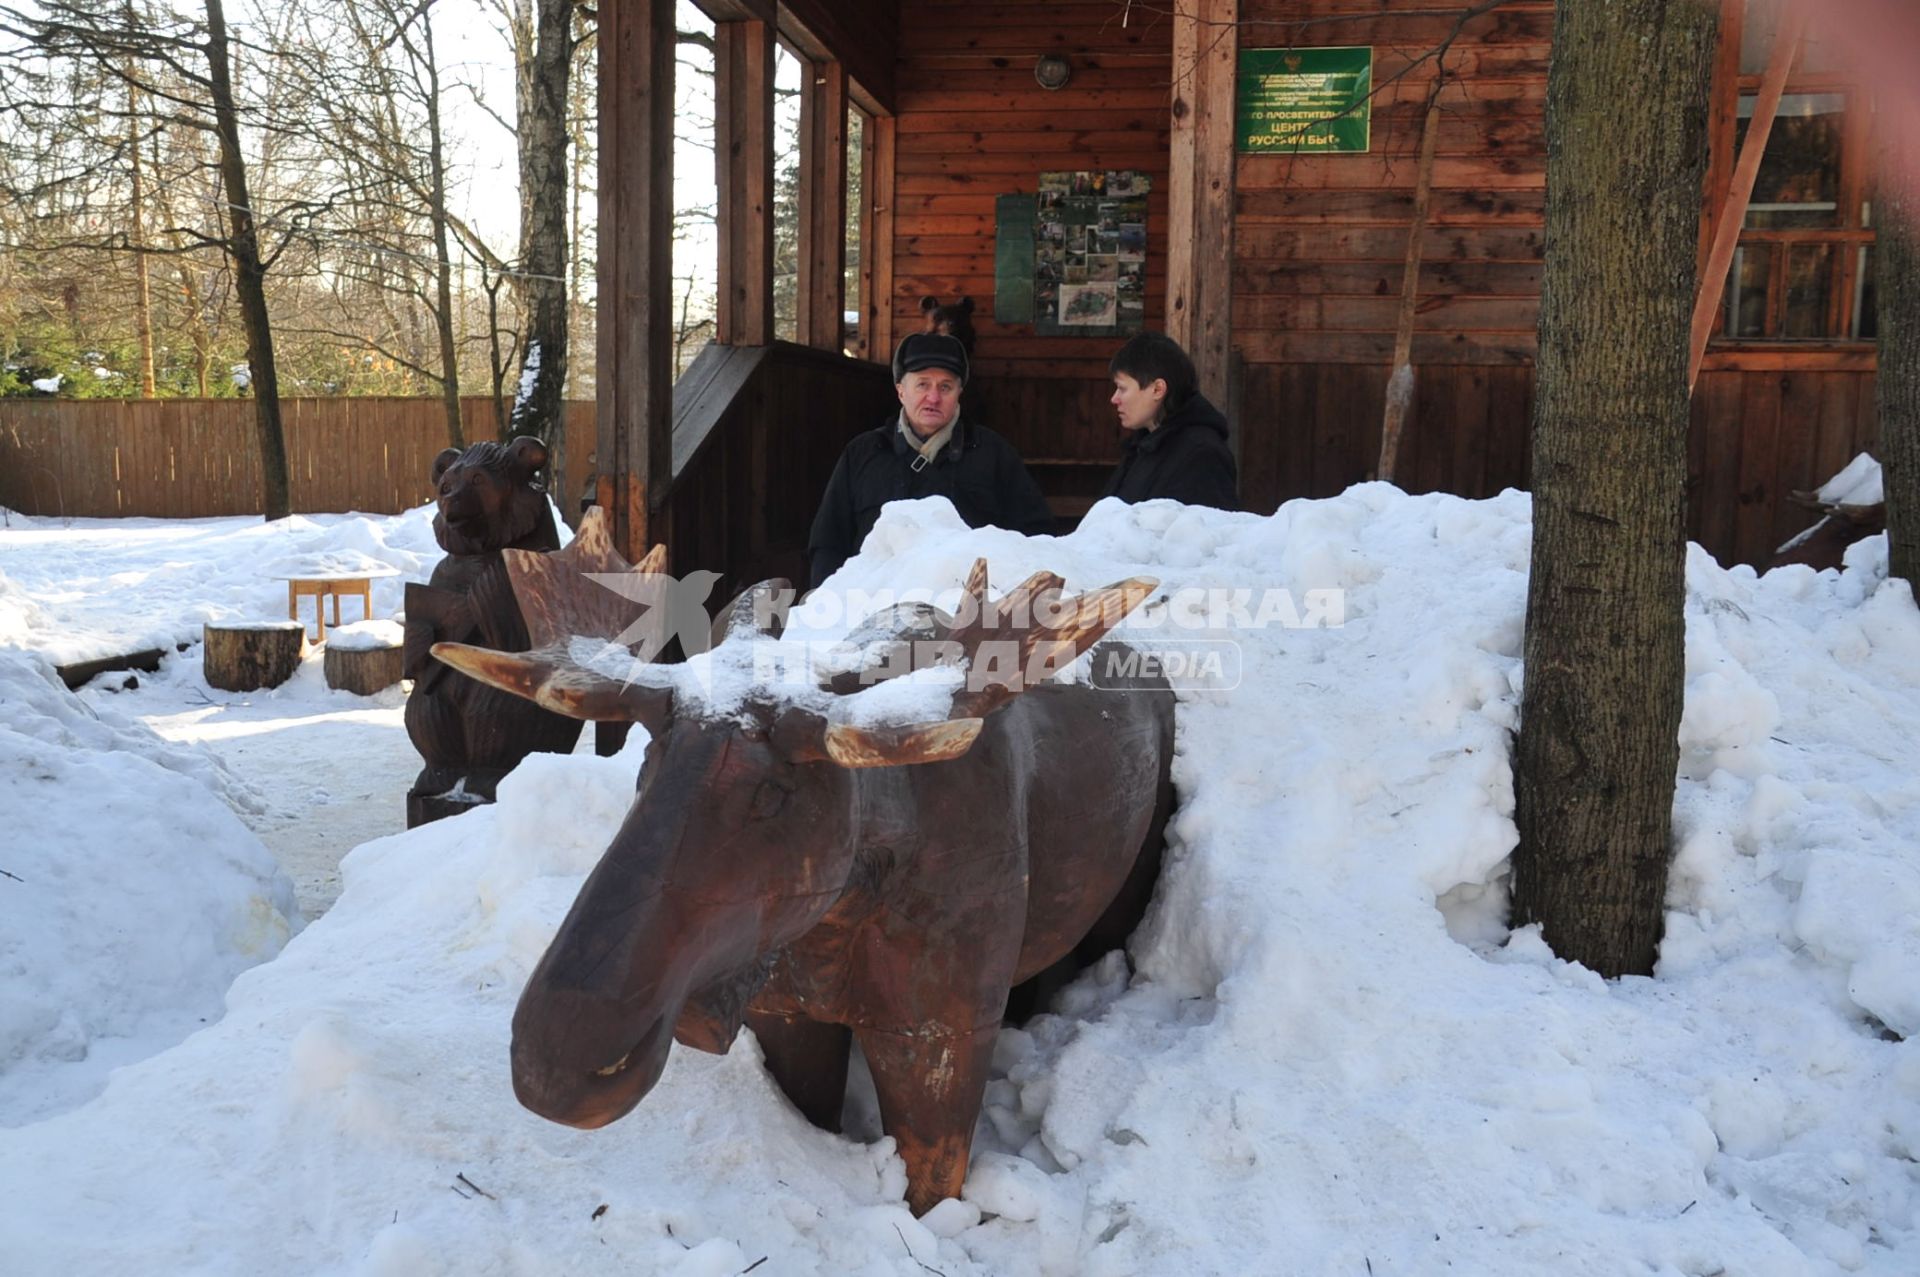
(803, 736)
(855, 747)
(526, 455)
(440, 463)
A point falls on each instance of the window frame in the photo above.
(1848, 238)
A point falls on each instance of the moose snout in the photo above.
(579, 1062)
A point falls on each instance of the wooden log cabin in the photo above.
(1294, 276)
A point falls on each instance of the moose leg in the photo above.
(809, 1060)
(930, 1085)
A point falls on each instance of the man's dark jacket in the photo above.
(977, 470)
(1185, 459)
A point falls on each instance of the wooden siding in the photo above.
(973, 125)
(1320, 240)
(1318, 259)
(1310, 430)
(197, 458)
(1758, 437)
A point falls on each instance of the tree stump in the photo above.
(247, 655)
(362, 670)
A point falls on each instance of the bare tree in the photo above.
(545, 36)
(179, 74)
(249, 271)
(1598, 749)
(391, 251)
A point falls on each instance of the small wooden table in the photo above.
(332, 585)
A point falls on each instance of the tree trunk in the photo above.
(143, 290)
(1896, 256)
(442, 258)
(1598, 751)
(249, 275)
(361, 670)
(540, 100)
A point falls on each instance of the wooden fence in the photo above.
(195, 458)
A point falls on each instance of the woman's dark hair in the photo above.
(1148, 357)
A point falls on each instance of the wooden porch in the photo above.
(1285, 275)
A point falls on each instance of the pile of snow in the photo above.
(365, 636)
(1331, 1057)
(131, 897)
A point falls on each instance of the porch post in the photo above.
(633, 411)
(823, 206)
(876, 246)
(743, 149)
(1206, 51)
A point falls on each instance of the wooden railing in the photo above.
(756, 432)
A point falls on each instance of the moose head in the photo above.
(779, 833)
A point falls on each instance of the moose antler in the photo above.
(570, 598)
(1006, 645)
(1032, 633)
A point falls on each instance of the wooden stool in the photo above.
(364, 658)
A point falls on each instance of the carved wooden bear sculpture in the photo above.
(819, 880)
(469, 735)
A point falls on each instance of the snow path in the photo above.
(333, 778)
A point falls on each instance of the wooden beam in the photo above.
(743, 155)
(1728, 218)
(862, 344)
(633, 417)
(823, 206)
(1200, 188)
(861, 35)
(878, 177)
(1723, 115)
(720, 11)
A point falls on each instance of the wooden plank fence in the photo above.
(197, 458)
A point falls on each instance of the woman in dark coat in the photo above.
(1176, 441)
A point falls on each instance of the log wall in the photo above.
(1319, 256)
(1320, 243)
(972, 125)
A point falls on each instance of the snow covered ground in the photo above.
(1331, 1057)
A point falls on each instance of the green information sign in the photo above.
(1306, 101)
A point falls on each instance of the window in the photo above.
(1802, 267)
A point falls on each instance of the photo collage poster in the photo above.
(1090, 253)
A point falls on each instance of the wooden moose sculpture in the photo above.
(784, 866)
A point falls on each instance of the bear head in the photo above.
(490, 498)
